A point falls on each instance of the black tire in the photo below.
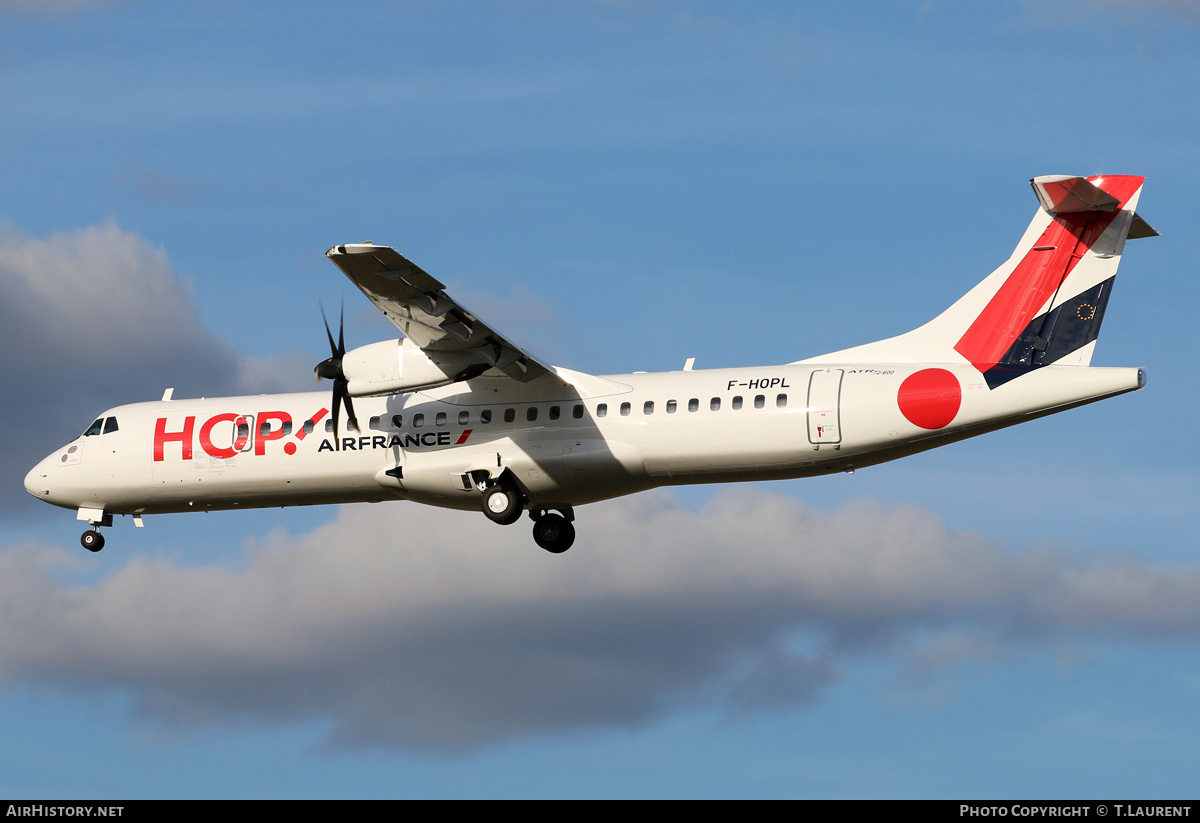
(93, 541)
(554, 533)
(502, 505)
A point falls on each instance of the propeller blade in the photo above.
(341, 349)
(337, 397)
(333, 350)
(351, 420)
(331, 369)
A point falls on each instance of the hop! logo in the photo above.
(236, 430)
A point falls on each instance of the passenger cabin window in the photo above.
(694, 404)
(625, 409)
(329, 426)
(418, 421)
(510, 415)
(671, 406)
(440, 419)
(485, 416)
(309, 426)
(737, 403)
(95, 428)
(110, 425)
(464, 417)
(781, 401)
(714, 404)
(531, 413)
(760, 401)
(398, 420)
(648, 407)
(555, 411)
(602, 410)
(375, 426)
(577, 412)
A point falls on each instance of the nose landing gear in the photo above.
(92, 540)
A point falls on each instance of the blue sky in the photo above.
(619, 186)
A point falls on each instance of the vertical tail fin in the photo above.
(1046, 303)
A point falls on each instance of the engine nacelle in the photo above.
(392, 366)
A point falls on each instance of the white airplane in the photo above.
(457, 416)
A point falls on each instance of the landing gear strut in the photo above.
(92, 540)
(553, 532)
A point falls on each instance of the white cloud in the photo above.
(408, 627)
(98, 317)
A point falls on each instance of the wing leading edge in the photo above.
(419, 306)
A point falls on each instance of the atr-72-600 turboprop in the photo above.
(453, 414)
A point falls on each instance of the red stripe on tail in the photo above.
(1039, 274)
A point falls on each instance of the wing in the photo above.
(420, 307)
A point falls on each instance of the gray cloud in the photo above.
(408, 627)
(94, 318)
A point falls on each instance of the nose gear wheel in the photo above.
(92, 540)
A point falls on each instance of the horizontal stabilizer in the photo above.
(1062, 194)
(1140, 228)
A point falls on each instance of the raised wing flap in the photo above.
(419, 306)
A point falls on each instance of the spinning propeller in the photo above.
(331, 369)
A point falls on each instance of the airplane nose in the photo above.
(37, 482)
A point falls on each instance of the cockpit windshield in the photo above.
(102, 426)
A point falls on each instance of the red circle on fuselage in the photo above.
(930, 398)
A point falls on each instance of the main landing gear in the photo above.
(92, 540)
(552, 531)
(502, 504)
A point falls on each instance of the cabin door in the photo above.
(824, 413)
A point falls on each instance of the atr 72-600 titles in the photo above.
(453, 414)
